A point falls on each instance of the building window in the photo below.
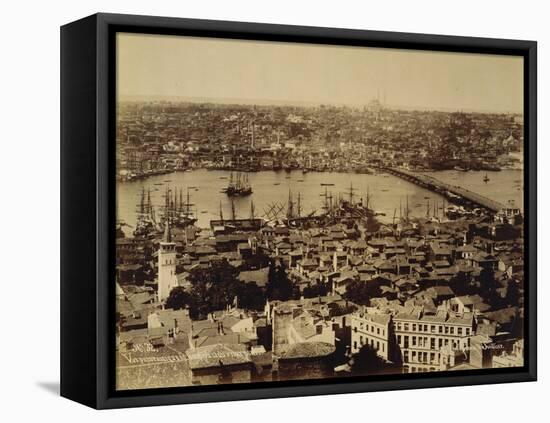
(452, 330)
(398, 339)
(414, 327)
(406, 325)
(414, 340)
(378, 331)
(432, 328)
(467, 331)
(459, 330)
(440, 329)
(432, 343)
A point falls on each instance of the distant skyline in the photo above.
(155, 67)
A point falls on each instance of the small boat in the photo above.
(158, 183)
(384, 190)
(426, 198)
(300, 180)
(486, 178)
(204, 211)
(168, 180)
(327, 185)
(277, 183)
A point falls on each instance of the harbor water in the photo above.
(387, 193)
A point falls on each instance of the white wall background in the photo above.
(29, 234)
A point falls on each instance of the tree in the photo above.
(271, 279)
(460, 284)
(250, 296)
(366, 361)
(361, 292)
(512, 293)
(200, 292)
(224, 284)
(488, 286)
(316, 290)
(279, 286)
(340, 310)
(179, 298)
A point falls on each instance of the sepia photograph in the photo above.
(289, 211)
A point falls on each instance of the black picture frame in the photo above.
(87, 208)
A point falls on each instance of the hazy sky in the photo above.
(176, 66)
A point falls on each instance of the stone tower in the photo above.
(167, 265)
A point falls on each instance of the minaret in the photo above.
(167, 265)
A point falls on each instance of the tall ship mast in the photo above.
(145, 215)
(176, 210)
(238, 185)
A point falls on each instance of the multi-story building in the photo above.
(425, 341)
(374, 330)
(419, 341)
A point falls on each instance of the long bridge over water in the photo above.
(453, 193)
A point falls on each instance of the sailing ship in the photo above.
(176, 210)
(146, 222)
(238, 185)
(486, 178)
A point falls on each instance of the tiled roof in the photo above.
(308, 350)
(217, 355)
